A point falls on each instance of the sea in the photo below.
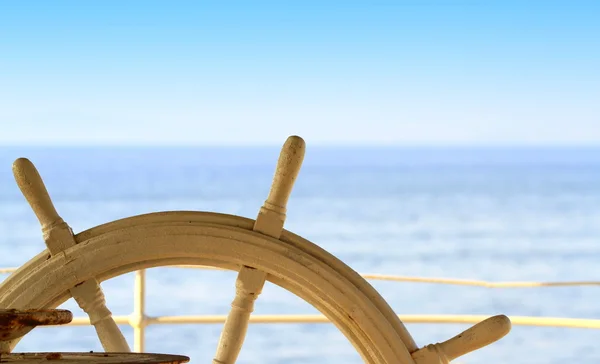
(485, 213)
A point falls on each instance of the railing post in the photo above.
(138, 319)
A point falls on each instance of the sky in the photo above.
(334, 72)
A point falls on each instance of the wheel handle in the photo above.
(476, 337)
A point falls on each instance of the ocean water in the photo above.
(473, 213)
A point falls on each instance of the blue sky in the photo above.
(343, 72)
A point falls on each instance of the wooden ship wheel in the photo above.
(260, 250)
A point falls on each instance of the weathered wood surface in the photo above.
(17, 323)
(93, 358)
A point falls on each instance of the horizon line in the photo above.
(318, 144)
(311, 145)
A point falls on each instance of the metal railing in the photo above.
(139, 320)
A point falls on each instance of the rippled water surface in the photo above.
(489, 214)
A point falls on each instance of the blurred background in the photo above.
(444, 139)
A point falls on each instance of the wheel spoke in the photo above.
(58, 237)
(270, 221)
(248, 286)
(90, 298)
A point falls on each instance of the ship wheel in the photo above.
(260, 250)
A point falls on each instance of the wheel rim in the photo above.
(113, 249)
